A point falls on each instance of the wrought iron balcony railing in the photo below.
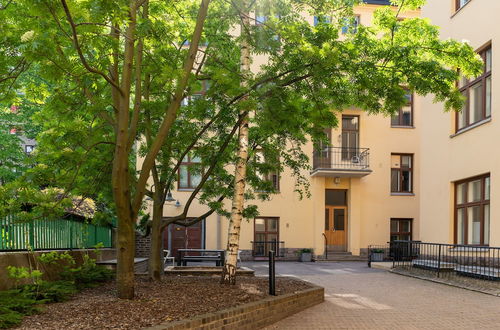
(342, 158)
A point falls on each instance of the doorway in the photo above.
(336, 227)
(182, 237)
(336, 219)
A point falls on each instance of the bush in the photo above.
(24, 300)
(13, 306)
(47, 292)
(89, 273)
(17, 301)
(9, 318)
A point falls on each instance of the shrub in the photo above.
(47, 292)
(9, 318)
(89, 273)
(15, 300)
(13, 306)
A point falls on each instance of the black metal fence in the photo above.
(262, 248)
(342, 158)
(482, 262)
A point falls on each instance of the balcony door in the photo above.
(350, 137)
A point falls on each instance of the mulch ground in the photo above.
(174, 298)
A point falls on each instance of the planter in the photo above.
(377, 256)
(306, 257)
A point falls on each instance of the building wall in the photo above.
(370, 202)
(446, 158)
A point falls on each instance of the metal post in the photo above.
(272, 274)
(439, 260)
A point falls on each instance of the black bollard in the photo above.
(272, 274)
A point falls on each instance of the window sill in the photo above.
(468, 128)
(402, 194)
(401, 126)
(185, 189)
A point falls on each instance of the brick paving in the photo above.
(357, 297)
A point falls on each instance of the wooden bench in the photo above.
(214, 255)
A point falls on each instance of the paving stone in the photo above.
(357, 297)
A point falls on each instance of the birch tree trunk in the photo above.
(238, 203)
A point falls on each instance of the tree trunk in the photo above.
(156, 265)
(238, 204)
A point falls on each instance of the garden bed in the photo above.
(172, 299)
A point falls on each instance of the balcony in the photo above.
(341, 162)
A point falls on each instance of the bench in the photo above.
(213, 255)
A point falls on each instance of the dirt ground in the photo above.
(172, 299)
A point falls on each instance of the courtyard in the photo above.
(357, 297)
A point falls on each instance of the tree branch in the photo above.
(76, 43)
(171, 111)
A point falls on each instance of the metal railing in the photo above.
(262, 248)
(482, 262)
(379, 253)
(342, 158)
(44, 234)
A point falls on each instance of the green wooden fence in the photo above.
(47, 234)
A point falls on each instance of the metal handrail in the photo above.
(326, 246)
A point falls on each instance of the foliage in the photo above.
(25, 298)
(305, 251)
(108, 98)
(9, 318)
(21, 273)
(89, 273)
(13, 305)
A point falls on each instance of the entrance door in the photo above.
(336, 227)
(181, 237)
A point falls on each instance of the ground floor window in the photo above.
(401, 230)
(472, 211)
(266, 235)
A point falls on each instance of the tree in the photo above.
(100, 53)
(127, 59)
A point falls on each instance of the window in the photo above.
(189, 172)
(460, 3)
(197, 94)
(472, 211)
(401, 229)
(322, 19)
(478, 95)
(266, 235)
(266, 171)
(404, 117)
(401, 173)
(350, 25)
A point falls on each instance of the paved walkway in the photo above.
(357, 297)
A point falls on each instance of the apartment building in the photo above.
(365, 189)
(460, 162)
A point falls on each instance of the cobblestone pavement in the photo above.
(357, 297)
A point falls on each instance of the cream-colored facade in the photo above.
(370, 204)
(449, 156)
